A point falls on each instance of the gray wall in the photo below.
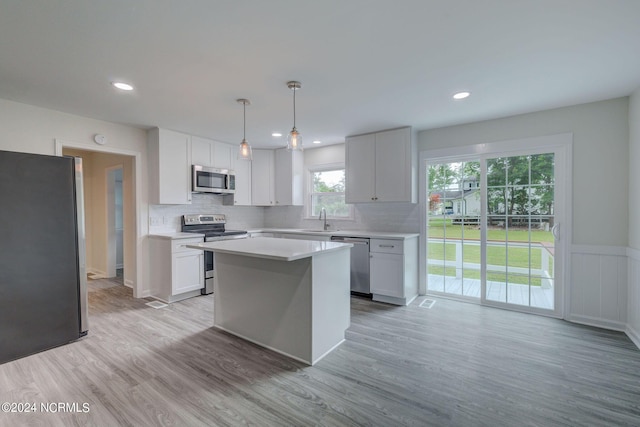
(598, 285)
(600, 165)
(633, 297)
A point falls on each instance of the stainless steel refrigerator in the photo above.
(43, 281)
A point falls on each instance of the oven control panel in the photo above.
(204, 219)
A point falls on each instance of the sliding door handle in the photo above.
(555, 230)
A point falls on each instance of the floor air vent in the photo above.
(156, 304)
(427, 303)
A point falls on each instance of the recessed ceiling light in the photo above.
(276, 134)
(122, 85)
(461, 95)
(317, 142)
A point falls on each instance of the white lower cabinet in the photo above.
(394, 270)
(176, 272)
(393, 264)
(387, 274)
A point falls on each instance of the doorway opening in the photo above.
(115, 223)
(110, 215)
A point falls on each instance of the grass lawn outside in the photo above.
(498, 251)
(439, 228)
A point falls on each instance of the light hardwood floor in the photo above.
(455, 364)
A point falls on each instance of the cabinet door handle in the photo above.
(387, 246)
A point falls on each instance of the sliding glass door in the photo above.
(492, 230)
(520, 220)
(454, 214)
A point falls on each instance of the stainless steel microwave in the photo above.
(213, 180)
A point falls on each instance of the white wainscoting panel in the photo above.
(633, 296)
(598, 289)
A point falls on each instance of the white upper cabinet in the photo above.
(169, 167)
(207, 152)
(242, 169)
(202, 150)
(381, 167)
(289, 178)
(360, 180)
(222, 155)
(277, 178)
(262, 178)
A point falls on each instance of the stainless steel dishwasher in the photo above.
(359, 263)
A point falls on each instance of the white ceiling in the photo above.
(365, 65)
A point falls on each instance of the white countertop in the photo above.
(343, 233)
(270, 248)
(176, 235)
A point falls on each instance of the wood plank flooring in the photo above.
(455, 364)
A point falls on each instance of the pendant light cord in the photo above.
(244, 121)
(294, 107)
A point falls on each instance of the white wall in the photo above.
(598, 286)
(633, 297)
(32, 129)
(399, 217)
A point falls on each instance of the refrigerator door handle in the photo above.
(82, 256)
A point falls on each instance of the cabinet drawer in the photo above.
(178, 245)
(386, 246)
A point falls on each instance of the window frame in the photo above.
(309, 193)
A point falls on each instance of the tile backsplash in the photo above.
(166, 218)
(394, 217)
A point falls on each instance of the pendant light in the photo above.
(294, 139)
(244, 151)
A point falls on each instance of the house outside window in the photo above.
(327, 191)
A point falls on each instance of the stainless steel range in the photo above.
(213, 228)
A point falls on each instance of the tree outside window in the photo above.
(327, 191)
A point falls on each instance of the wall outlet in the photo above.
(155, 220)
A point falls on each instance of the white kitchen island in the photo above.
(291, 296)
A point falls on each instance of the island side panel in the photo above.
(331, 301)
(265, 301)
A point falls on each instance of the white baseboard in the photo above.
(128, 283)
(598, 323)
(633, 335)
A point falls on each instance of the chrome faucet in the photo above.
(325, 226)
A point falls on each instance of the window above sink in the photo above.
(326, 190)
